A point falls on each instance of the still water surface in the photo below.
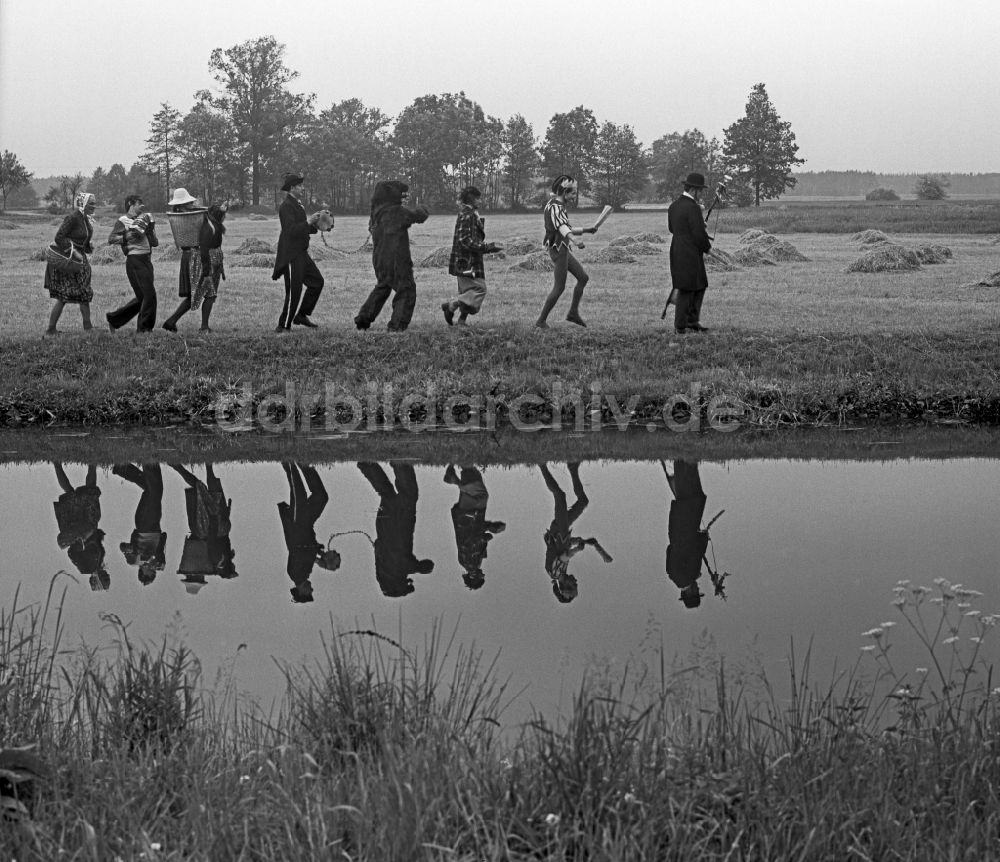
(231, 557)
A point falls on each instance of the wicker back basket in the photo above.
(185, 227)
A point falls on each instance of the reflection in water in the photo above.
(688, 541)
(78, 513)
(395, 523)
(560, 543)
(472, 531)
(147, 546)
(207, 547)
(298, 521)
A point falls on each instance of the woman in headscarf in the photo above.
(76, 232)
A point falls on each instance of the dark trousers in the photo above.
(139, 270)
(403, 304)
(687, 310)
(302, 270)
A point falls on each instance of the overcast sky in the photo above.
(883, 85)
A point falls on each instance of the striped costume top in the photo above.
(556, 223)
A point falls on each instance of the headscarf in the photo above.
(80, 203)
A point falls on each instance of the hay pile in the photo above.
(107, 254)
(252, 245)
(886, 257)
(720, 261)
(654, 238)
(322, 252)
(621, 240)
(869, 237)
(750, 235)
(933, 253)
(437, 258)
(753, 256)
(519, 245)
(8, 225)
(257, 217)
(261, 261)
(537, 261)
(640, 248)
(616, 254)
(989, 281)
(766, 245)
(37, 255)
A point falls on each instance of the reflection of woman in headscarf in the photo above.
(298, 521)
(560, 543)
(78, 513)
(395, 524)
(207, 548)
(472, 531)
(146, 547)
(76, 232)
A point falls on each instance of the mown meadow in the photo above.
(801, 342)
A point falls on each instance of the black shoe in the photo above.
(167, 325)
(681, 331)
(697, 327)
(280, 328)
(302, 320)
(107, 317)
(449, 313)
(359, 323)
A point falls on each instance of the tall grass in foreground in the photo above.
(385, 752)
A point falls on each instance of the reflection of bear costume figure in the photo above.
(688, 542)
(395, 524)
(472, 531)
(78, 513)
(207, 549)
(298, 521)
(146, 547)
(389, 225)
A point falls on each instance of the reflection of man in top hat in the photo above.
(146, 546)
(560, 543)
(688, 247)
(298, 521)
(207, 548)
(688, 542)
(292, 261)
(472, 531)
(395, 524)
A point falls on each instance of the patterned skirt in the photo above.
(206, 288)
(69, 286)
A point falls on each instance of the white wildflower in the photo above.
(873, 633)
(941, 581)
(973, 613)
(868, 649)
(919, 591)
(551, 819)
(963, 606)
(968, 594)
(921, 670)
(887, 625)
(903, 582)
(950, 640)
(976, 640)
(506, 763)
(631, 799)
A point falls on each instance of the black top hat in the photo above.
(696, 181)
(292, 180)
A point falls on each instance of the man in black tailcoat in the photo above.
(292, 261)
(688, 247)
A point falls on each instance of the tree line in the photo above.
(238, 139)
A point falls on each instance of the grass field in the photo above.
(806, 335)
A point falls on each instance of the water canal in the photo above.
(555, 567)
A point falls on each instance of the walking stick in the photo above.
(720, 195)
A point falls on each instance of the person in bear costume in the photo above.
(389, 226)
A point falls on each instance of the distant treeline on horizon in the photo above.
(859, 183)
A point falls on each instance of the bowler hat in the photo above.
(696, 181)
(292, 180)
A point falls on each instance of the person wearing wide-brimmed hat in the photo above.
(688, 246)
(293, 262)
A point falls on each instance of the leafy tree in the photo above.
(760, 148)
(520, 160)
(672, 157)
(205, 142)
(255, 99)
(116, 183)
(619, 167)
(24, 197)
(161, 146)
(146, 183)
(97, 185)
(13, 175)
(569, 145)
(445, 142)
(60, 196)
(931, 187)
(882, 194)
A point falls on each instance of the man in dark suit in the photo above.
(293, 262)
(688, 247)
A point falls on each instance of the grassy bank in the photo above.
(798, 343)
(383, 751)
